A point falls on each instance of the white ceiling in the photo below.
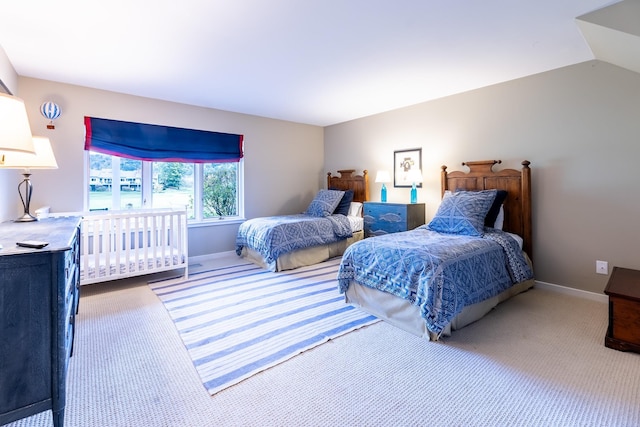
(319, 62)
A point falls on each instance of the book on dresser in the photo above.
(39, 295)
(384, 218)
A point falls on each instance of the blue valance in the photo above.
(160, 143)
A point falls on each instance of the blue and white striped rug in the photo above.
(239, 320)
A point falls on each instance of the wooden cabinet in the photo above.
(383, 218)
(623, 290)
(38, 304)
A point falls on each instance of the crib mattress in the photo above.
(127, 268)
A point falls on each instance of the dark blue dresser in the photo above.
(383, 218)
(38, 304)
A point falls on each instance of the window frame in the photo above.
(198, 188)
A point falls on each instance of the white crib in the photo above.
(120, 244)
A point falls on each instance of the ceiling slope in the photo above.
(613, 33)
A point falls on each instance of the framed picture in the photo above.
(403, 162)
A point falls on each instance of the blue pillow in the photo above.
(463, 212)
(494, 210)
(345, 203)
(324, 203)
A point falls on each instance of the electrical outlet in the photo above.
(602, 267)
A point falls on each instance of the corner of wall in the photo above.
(8, 75)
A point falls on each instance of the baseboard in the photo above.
(209, 257)
(573, 291)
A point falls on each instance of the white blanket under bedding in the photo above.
(356, 222)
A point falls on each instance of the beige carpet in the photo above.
(537, 360)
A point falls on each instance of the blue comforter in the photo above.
(429, 268)
(277, 235)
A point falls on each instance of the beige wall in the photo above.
(284, 161)
(580, 128)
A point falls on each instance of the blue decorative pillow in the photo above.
(324, 203)
(463, 212)
(343, 206)
(494, 210)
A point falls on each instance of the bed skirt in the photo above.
(304, 257)
(404, 315)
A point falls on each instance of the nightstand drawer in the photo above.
(385, 218)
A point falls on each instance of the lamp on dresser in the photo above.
(43, 158)
(383, 176)
(414, 177)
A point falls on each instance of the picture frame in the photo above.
(403, 162)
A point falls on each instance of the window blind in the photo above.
(160, 143)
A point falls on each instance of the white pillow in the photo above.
(499, 219)
(355, 209)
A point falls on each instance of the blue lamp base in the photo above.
(414, 194)
(383, 194)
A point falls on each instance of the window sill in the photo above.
(215, 222)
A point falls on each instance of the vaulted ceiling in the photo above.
(319, 62)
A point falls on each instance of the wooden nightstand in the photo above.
(383, 218)
(623, 289)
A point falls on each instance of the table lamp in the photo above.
(43, 158)
(15, 132)
(414, 176)
(383, 177)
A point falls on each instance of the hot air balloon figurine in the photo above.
(51, 111)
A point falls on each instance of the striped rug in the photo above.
(239, 320)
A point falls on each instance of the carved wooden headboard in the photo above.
(347, 181)
(517, 183)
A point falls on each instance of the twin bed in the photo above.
(331, 223)
(474, 253)
(454, 270)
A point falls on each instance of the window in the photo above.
(172, 185)
(114, 182)
(208, 191)
(137, 165)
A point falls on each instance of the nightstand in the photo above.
(623, 289)
(383, 218)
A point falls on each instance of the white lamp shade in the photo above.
(383, 176)
(414, 175)
(15, 132)
(43, 158)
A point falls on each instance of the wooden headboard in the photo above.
(517, 183)
(347, 181)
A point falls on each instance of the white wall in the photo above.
(9, 178)
(283, 160)
(580, 128)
